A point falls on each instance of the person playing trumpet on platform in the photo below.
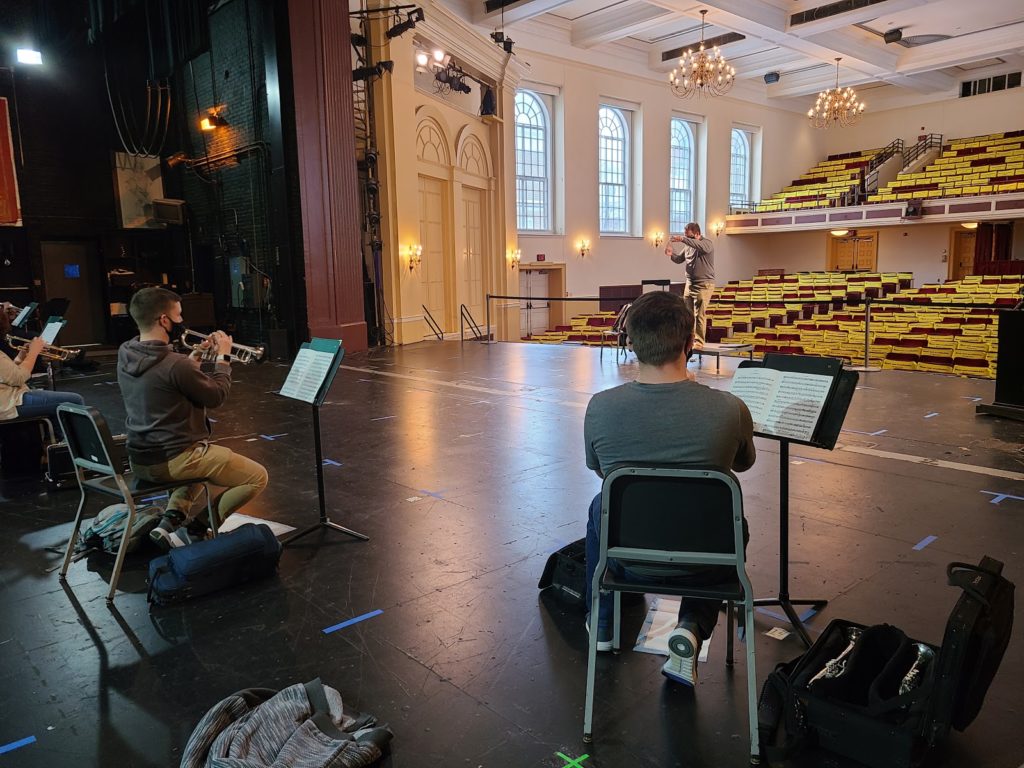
(166, 395)
(16, 399)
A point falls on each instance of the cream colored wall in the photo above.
(788, 146)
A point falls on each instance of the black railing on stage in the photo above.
(465, 316)
(432, 323)
(490, 296)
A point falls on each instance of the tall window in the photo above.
(680, 193)
(613, 170)
(739, 169)
(533, 163)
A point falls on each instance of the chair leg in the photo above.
(616, 621)
(588, 707)
(115, 576)
(69, 553)
(730, 608)
(755, 748)
(211, 513)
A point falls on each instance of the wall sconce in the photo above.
(583, 246)
(658, 239)
(414, 253)
(718, 228)
(839, 232)
(515, 255)
(212, 121)
(969, 224)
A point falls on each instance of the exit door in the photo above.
(70, 271)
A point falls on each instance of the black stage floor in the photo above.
(465, 466)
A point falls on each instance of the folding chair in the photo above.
(93, 451)
(618, 331)
(674, 516)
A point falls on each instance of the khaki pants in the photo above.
(697, 297)
(243, 479)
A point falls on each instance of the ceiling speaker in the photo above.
(893, 36)
(772, 77)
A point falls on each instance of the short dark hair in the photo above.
(659, 324)
(149, 303)
(693, 226)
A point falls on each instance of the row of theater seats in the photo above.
(822, 185)
(979, 165)
(820, 314)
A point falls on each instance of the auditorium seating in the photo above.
(823, 185)
(977, 165)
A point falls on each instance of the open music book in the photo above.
(783, 403)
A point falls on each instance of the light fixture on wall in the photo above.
(213, 121)
(583, 246)
(657, 239)
(718, 227)
(414, 255)
(29, 56)
(515, 255)
(969, 224)
(839, 232)
(836, 106)
(702, 73)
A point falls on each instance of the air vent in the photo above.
(913, 41)
(989, 84)
(830, 9)
(711, 42)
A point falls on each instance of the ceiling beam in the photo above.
(814, 81)
(618, 22)
(775, 60)
(517, 11)
(856, 16)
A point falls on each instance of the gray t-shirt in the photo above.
(679, 423)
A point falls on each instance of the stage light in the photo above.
(438, 55)
(212, 122)
(29, 56)
(421, 59)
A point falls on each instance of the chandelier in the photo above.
(836, 106)
(701, 73)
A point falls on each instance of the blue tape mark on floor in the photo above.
(809, 614)
(972, 399)
(998, 497)
(811, 461)
(17, 744)
(273, 437)
(871, 434)
(382, 418)
(154, 498)
(350, 622)
(773, 614)
(924, 542)
(435, 494)
(332, 463)
(806, 616)
(931, 415)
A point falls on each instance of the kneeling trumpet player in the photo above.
(166, 395)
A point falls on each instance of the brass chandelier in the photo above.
(702, 73)
(836, 106)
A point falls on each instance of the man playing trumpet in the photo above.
(166, 395)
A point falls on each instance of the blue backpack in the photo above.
(247, 553)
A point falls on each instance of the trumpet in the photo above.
(49, 352)
(240, 353)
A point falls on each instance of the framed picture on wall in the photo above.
(138, 182)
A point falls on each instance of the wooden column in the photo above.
(328, 186)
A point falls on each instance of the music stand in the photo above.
(825, 434)
(309, 380)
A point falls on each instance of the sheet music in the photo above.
(51, 330)
(307, 375)
(782, 403)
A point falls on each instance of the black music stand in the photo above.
(825, 434)
(310, 380)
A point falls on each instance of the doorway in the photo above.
(854, 252)
(961, 261)
(471, 268)
(70, 271)
(433, 265)
(533, 314)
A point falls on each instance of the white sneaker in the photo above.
(683, 647)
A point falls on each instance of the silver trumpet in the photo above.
(240, 353)
(912, 679)
(835, 667)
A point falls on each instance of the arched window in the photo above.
(613, 170)
(680, 192)
(739, 169)
(533, 163)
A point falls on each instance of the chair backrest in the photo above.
(673, 509)
(89, 439)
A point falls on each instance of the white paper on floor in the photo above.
(661, 620)
(237, 519)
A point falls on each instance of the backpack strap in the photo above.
(321, 711)
(962, 575)
(776, 701)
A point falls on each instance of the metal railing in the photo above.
(432, 323)
(490, 296)
(465, 316)
(888, 152)
(930, 141)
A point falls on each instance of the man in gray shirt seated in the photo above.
(699, 254)
(664, 417)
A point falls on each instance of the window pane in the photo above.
(739, 169)
(680, 207)
(612, 170)
(533, 199)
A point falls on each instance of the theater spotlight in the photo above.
(377, 70)
(404, 26)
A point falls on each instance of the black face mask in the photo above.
(176, 330)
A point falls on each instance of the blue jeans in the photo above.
(699, 614)
(43, 402)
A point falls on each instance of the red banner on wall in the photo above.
(10, 209)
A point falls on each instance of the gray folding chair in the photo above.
(618, 332)
(99, 468)
(673, 516)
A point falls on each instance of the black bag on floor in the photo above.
(874, 695)
(60, 467)
(247, 553)
(566, 572)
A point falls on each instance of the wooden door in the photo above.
(855, 252)
(432, 238)
(71, 271)
(962, 260)
(471, 266)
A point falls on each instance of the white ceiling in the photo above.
(985, 37)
